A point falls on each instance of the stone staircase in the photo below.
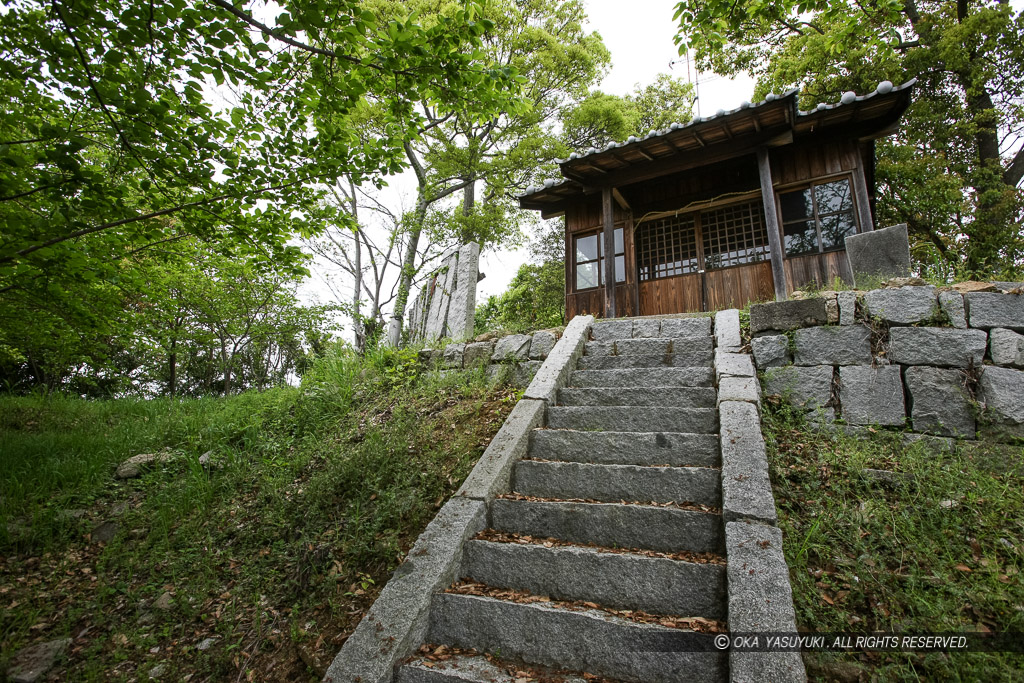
(606, 561)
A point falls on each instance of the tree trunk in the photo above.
(408, 269)
(357, 289)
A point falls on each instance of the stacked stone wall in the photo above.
(514, 358)
(933, 361)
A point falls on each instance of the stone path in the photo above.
(615, 511)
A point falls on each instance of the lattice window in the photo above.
(734, 235)
(667, 247)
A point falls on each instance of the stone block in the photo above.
(462, 307)
(541, 344)
(727, 330)
(986, 310)
(804, 387)
(399, 620)
(903, 305)
(524, 372)
(760, 601)
(733, 365)
(500, 373)
(872, 395)
(782, 316)
(938, 402)
(952, 304)
(879, 254)
(686, 327)
(556, 369)
(847, 307)
(1003, 400)
(493, 471)
(453, 355)
(739, 389)
(746, 490)
(31, 663)
(771, 351)
(942, 346)
(514, 347)
(477, 354)
(647, 327)
(1006, 347)
(841, 345)
(832, 310)
(610, 330)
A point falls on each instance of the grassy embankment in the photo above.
(940, 548)
(275, 551)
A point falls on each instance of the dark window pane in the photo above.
(586, 248)
(832, 197)
(796, 205)
(619, 249)
(586, 276)
(835, 228)
(800, 237)
(620, 268)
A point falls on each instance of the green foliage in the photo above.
(113, 141)
(933, 547)
(313, 496)
(601, 118)
(953, 173)
(535, 299)
(190, 321)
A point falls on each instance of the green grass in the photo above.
(278, 550)
(941, 551)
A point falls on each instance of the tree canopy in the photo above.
(954, 172)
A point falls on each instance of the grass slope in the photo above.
(940, 548)
(275, 552)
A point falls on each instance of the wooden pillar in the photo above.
(771, 218)
(860, 192)
(608, 210)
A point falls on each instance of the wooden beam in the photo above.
(860, 193)
(608, 210)
(771, 219)
(620, 200)
(648, 170)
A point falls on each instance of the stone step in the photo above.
(669, 397)
(633, 419)
(644, 377)
(626, 448)
(614, 483)
(613, 525)
(699, 347)
(667, 360)
(465, 668)
(656, 585)
(588, 640)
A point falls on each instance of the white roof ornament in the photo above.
(821, 106)
(848, 97)
(884, 88)
(770, 97)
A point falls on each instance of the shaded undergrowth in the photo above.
(932, 543)
(274, 548)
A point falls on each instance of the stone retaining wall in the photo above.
(935, 361)
(514, 358)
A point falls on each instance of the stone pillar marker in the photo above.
(463, 301)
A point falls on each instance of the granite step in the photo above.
(633, 419)
(668, 397)
(614, 483)
(584, 640)
(626, 448)
(469, 668)
(656, 585)
(667, 360)
(614, 525)
(698, 347)
(643, 377)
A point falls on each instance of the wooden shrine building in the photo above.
(746, 205)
